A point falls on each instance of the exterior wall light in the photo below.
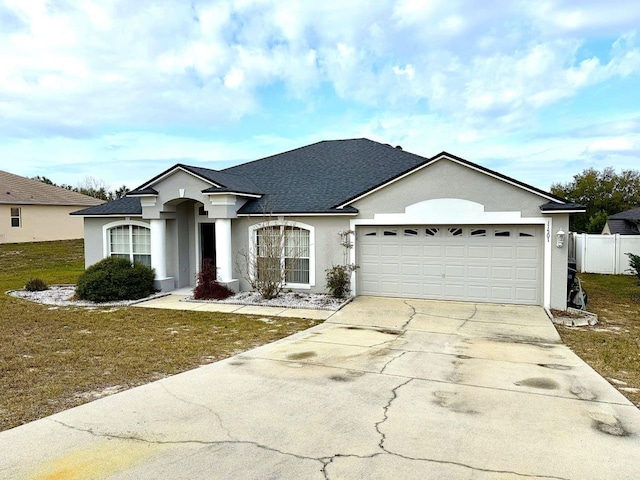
(560, 236)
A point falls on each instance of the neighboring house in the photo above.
(437, 228)
(623, 223)
(32, 211)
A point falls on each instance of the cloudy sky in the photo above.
(120, 90)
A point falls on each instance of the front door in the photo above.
(208, 242)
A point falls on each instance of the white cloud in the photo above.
(429, 75)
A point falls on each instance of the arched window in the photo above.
(131, 241)
(285, 250)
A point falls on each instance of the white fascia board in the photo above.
(111, 215)
(301, 214)
(238, 194)
(551, 212)
(417, 169)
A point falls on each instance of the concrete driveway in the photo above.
(385, 389)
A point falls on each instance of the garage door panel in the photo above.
(526, 273)
(411, 251)
(478, 292)
(454, 251)
(527, 253)
(526, 295)
(410, 270)
(454, 271)
(369, 249)
(501, 293)
(432, 290)
(431, 262)
(390, 250)
(478, 252)
(477, 272)
(389, 269)
(432, 251)
(502, 253)
(431, 270)
(454, 290)
(502, 273)
(413, 289)
(389, 288)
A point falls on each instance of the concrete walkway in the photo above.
(178, 302)
(385, 389)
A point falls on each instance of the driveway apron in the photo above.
(384, 389)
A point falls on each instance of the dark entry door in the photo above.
(208, 242)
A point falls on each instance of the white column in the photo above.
(159, 248)
(223, 249)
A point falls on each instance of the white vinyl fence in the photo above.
(603, 253)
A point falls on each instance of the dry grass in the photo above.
(612, 347)
(52, 358)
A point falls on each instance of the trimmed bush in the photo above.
(207, 286)
(36, 285)
(114, 279)
(339, 280)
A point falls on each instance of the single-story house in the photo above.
(33, 211)
(436, 228)
(623, 223)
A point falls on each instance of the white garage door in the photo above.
(501, 264)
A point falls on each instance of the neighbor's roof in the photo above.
(17, 190)
(321, 178)
(632, 215)
(622, 227)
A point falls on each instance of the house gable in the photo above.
(444, 156)
(447, 178)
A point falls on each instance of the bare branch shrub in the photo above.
(278, 254)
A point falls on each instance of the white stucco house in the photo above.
(435, 228)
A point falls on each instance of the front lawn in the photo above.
(612, 347)
(54, 358)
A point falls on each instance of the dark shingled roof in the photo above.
(625, 223)
(315, 179)
(633, 215)
(122, 206)
(623, 227)
(322, 176)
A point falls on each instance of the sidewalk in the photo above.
(178, 302)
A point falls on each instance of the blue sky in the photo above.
(120, 90)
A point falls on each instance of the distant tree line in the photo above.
(90, 186)
(603, 193)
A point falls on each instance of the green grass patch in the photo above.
(54, 358)
(612, 347)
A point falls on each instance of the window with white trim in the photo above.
(16, 217)
(287, 249)
(132, 242)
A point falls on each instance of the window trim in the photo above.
(13, 217)
(312, 247)
(106, 241)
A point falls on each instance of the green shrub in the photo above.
(207, 286)
(339, 280)
(36, 285)
(114, 279)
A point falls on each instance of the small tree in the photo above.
(273, 255)
(634, 264)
